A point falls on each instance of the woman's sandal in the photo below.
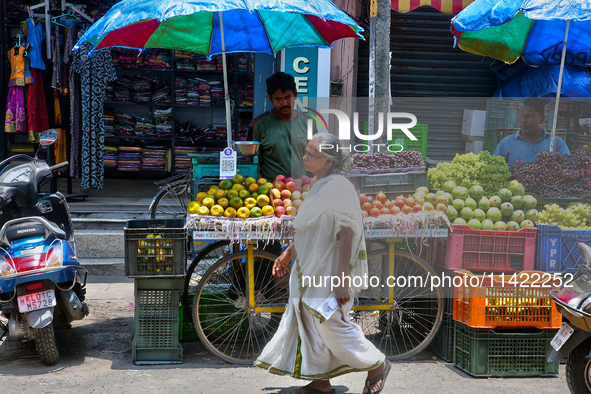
(382, 376)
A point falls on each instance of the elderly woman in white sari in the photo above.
(311, 343)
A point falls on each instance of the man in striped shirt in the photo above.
(531, 139)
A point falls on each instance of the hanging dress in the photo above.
(37, 117)
(75, 101)
(95, 72)
(15, 117)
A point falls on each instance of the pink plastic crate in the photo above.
(486, 250)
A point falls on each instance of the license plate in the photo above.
(32, 302)
(562, 336)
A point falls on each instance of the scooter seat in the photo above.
(25, 230)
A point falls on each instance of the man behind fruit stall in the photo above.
(531, 139)
(282, 131)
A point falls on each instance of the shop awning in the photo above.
(445, 6)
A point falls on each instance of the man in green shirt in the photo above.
(282, 131)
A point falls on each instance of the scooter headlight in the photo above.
(5, 268)
(55, 258)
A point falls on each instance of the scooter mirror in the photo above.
(48, 137)
(585, 251)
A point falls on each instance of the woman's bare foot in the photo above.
(372, 374)
(321, 385)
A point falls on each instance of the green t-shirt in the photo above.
(282, 146)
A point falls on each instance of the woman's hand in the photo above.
(281, 263)
(342, 295)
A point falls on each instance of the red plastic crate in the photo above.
(492, 251)
(518, 300)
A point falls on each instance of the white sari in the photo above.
(307, 346)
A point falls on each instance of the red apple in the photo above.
(287, 203)
(275, 193)
(406, 209)
(417, 208)
(381, 197)
(374, 212)
(280, 211)
(394, 210)
(388, 204)
(296, 203)
(279, 185)
(378, 204)
(366, 207)
(362, 198)
(385, 211)
(306, 180)
(410, 201)
(364, 214)
(289, 211)
(296, 195)
(277, 203)
(306, 187)
(280, 178)
(290, 185)
(285, 194)
(288, 179)
(299, 182)
(297, 189)
(399, 202)
(304, 194)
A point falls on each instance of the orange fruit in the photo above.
(220, 194)
(217, 210)
(254, 195)
(261, 181)
(253, 187)
(268, 210)
(249, 181)
(200, 196)
(263, 190)
(269, 185)
(208, 202)
(203, 211)
(250, 203)
(236, 202)
(243, 194)
(230, 212)
(192, 207)
(243, 213)
(256, 212)
(262, 200)
(230, 194)
(238, 186)
(238, 179)
(226, 185)
(224, 202)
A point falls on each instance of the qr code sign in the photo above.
(228, 166)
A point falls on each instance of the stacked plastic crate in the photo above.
(503, 318)
(155, 257)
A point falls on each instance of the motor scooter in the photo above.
(573, 301)
(42, 283)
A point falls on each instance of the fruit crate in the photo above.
(503, 353)
(505, 301)
(493, 137)
(202, 185)
(392, 185)
(558, 250)
(443, 341)
(400, 138)
(488, 250)
(187, 331)
(577, 141)
(568, 116)
(208, 166)
(155, 247)
(501, 114)
(156, 320)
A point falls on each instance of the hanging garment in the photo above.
(16, 56)
(60, 144)
(15, 120)
(57, 58)
(35, 40)
(37, 118)
(95, 72)
(75, 102)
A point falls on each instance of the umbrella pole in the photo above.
(562, 61)
(226, 95)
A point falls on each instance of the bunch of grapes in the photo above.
(383, 161)
(490, 172)
(555, 175)
(575, 217)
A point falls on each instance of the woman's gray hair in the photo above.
(331, 148)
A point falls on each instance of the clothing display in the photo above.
(95, 72)
(15, 119)
(37, 118)
(75, 103)
(16, 56)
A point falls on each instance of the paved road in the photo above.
(96, 358)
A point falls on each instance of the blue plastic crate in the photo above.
(557, 249)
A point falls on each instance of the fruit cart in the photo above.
(237, 304)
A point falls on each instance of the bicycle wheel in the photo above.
(221, 314)
(201, 263)
(171, 202)
(409, 322)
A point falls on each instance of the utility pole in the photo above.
(379, 64)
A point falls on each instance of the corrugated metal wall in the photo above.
(425, 64)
